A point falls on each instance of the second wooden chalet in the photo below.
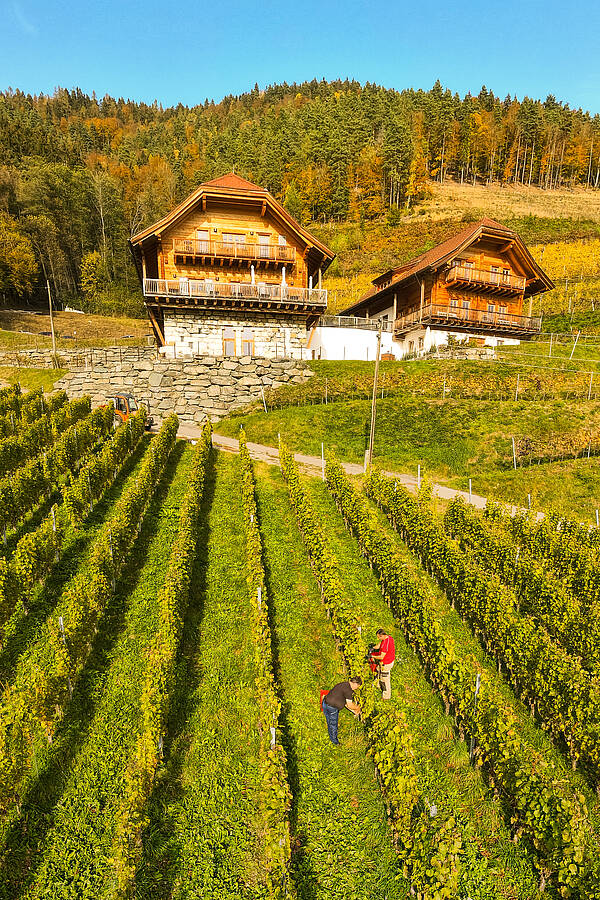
(481, 282)
(230, 273)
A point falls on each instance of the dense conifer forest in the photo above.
(79, 174)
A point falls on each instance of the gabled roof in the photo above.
(231, 180)
(442, 253)
(234, 188)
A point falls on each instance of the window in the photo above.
(133, 407)
(494, 274)
(466, 304)
(247, 342)
(488, 316)
(282, 241)
(506, 276)
(263, 246)
(228, 342)
(229, 238)
(202, 240)
(421, 343)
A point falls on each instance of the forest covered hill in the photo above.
(78, 175)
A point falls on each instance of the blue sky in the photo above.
(188, 51)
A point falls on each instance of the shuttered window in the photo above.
(247, 342)
(228, 342)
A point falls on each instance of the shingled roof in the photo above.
(231, 180)
(451, 245)
(234, 188)
(437, 256)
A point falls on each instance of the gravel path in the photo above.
(313, 465)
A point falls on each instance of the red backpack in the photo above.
(322, 695)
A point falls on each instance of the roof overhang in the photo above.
(537, 280)
(321, 255)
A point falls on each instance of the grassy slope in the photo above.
(572, 487)
(450, 438)
(455, 439)
(20, 329)
(31, 379)
(445, 775)
(77, 850)
(342, 846)
(203, 836)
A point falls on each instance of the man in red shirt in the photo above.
(385, 654)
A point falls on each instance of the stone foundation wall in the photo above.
(201, 333)
(194, 389)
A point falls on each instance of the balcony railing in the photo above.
(501, 282)
(464, 318)
(355, 322)
(212, 291)
(234, 250)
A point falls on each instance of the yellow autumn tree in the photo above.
(18, 266)
(365, 185)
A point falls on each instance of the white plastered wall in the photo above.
(330, 342)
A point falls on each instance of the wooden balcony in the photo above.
(495, 282)
(475, 321)
(232, 252)
(215, 294)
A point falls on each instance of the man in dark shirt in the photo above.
(340, 696)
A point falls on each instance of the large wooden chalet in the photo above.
(230, 273)
(480, 282)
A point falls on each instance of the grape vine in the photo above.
(33, 705)
(556, 824)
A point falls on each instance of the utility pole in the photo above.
(54, 360)
(369, 459)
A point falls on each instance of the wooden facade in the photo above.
(230, 246)
(482, 281)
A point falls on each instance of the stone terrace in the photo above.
(193, 388)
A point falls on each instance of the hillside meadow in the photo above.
(456, 419)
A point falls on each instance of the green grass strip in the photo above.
(342, 843)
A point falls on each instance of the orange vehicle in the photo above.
(125, 406)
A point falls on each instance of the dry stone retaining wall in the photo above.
(193, 388)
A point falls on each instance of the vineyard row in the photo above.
(33, 705)
(556, 824)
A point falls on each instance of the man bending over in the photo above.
(340, 696)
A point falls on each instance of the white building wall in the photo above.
(332, 342)
(361, 343)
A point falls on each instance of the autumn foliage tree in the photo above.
(88, 172)
(18, 266)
